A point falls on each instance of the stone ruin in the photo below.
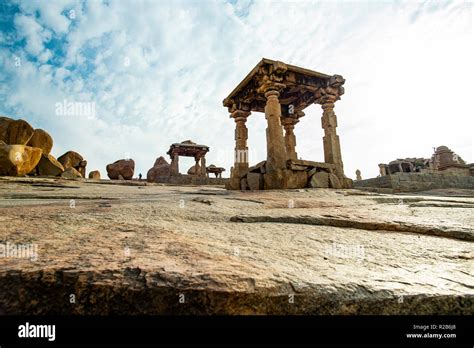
(198, 174)
(282, 92)
(217, 171)
(406, 165)
(443, 160)
(445, 169)
(189, 149)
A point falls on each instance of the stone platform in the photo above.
(298, 174)
(412, 182)
(129, 247)
(191, 180)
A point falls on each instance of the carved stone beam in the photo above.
(268, 85)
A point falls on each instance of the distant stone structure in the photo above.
(217, 171)
(282, 92)
(190, 149)
(358, 176)
(406, 165)
(412, 182)
(445, 160)
(445, 169)
(163, 172)
(442, 160)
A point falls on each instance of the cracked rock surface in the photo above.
(139, 248)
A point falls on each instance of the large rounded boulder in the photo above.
(123, 168)
(4, 124)
(19, 132)
(95, 174)
(161, 168)
(194, 170)
(49, 166)
(18, 160)
(42, 140)
(71, 173)
(72, 159)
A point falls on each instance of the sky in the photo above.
(155, 73)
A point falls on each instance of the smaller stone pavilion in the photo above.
(198, 174)
(189, 149)
(217, 171)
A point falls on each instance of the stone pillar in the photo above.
(241, 160)
(174, 167)
(197, 169)
(383, 172)
(275, 176)
(203, 166)
(326, 97)
(332, 147)
(290, 138)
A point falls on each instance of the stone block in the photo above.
(319, 180)
(233, 184)
(296, 179)
(334, 181)
(275, 180)
(255, 181)
(258, 168)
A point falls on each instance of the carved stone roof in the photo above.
(213, 169)
(188, 148)
(442, 148)
(297, 86)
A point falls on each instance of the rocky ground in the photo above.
(132, 247)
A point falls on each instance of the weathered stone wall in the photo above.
(191, 180)
(457, 171)
(408, 182)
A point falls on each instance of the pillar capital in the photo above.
(240, 115)
(271, 86)
(299, 114)
(289, 122)
(332, 92)
(272, 93)
(327, 95)
(290, 138)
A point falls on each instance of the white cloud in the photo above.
(34, 34)
(53, 14)
(158, 72)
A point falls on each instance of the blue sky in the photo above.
(158, 71)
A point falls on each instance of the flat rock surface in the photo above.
(137, 247)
